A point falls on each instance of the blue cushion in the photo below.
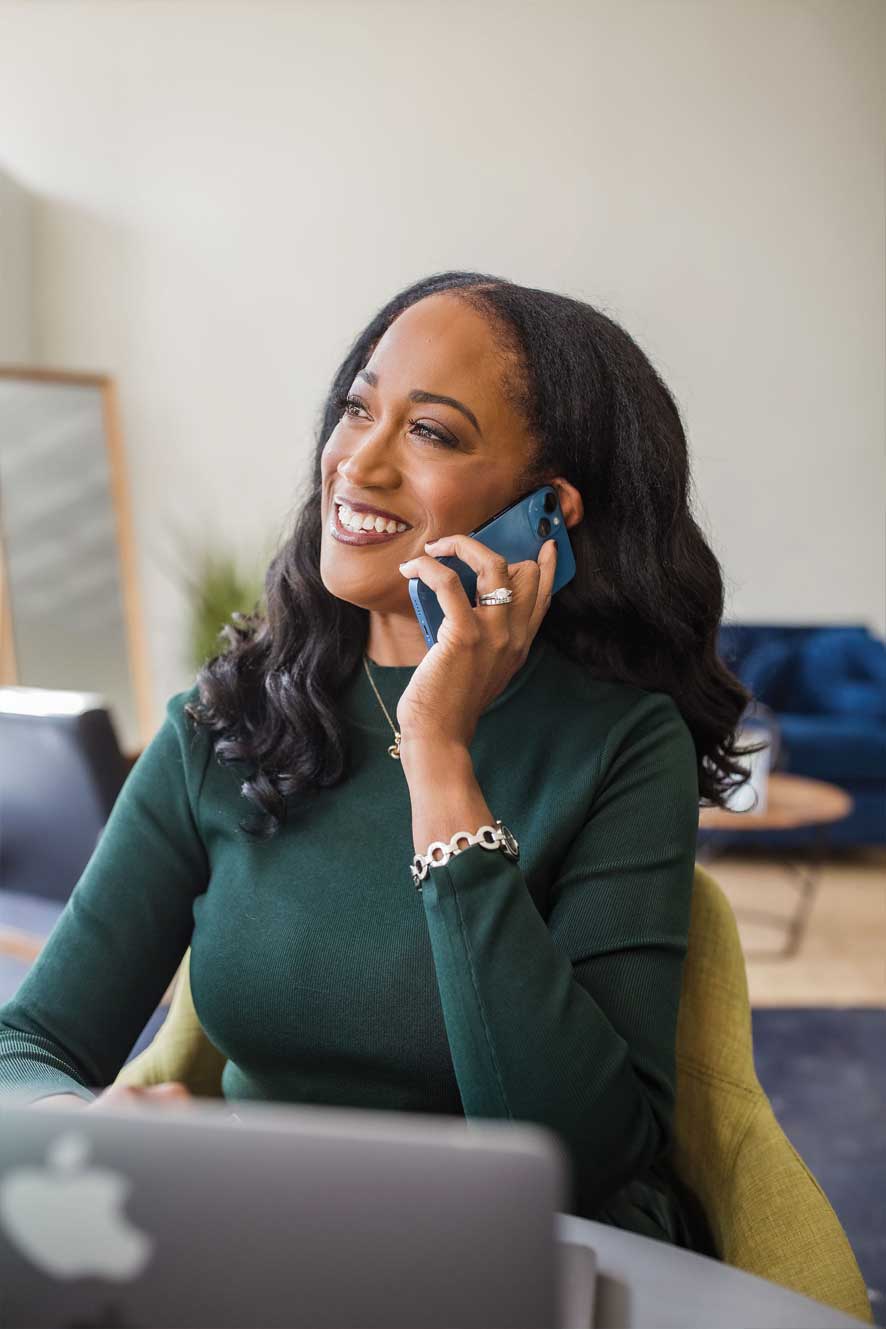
(767, 672)
(832, 747)
(842, 671)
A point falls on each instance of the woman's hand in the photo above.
(171, 1093)
(168, 1094)
(479, 648)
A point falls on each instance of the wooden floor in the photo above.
(841, 959)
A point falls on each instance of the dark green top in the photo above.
(544, 990)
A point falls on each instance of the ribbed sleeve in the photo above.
(571, 1021)
(123, 931)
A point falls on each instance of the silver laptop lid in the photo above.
(304, 1217)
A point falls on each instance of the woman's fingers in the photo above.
(491, 568)
(547, 562)
(169, 1091)
(168, 1094)
(447, 587)
(531, 583)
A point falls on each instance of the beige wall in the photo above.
(225, 192)
(16, 273)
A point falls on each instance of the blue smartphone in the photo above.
(517, 533)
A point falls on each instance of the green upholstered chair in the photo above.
(180, 1049)
(767, 1212)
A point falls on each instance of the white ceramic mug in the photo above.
(753, 796)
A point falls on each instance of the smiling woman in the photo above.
(434, 475)
(534, 973)
(522, 387)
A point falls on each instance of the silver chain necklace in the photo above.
(394, 749)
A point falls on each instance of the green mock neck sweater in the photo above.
(544, 990)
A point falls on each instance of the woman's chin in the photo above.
(387, 599)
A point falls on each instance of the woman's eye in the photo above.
(350, 405)
(440, 439)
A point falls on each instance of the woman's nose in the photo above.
(369, 464)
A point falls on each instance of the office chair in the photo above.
(61, 769)
(767, 1212)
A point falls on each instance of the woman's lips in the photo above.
(348, 537)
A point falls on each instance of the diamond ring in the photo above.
(501, 596)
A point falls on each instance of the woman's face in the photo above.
(441, 465)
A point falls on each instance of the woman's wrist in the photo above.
(430, 758)
(60, 1100)
(444, 793)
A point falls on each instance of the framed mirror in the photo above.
(70, 612)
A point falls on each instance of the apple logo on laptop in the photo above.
(67, 1219)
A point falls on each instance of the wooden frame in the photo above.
(8, 668)
(136, 640)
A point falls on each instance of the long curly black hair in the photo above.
(644, 607)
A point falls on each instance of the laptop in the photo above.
(206, 1216)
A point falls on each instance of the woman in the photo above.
(543, 987)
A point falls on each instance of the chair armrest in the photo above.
(180, 1050)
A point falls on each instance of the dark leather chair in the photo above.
(61, 769)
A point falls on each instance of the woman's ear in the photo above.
(570, 500)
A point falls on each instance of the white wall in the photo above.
(16, 274)
(226, 192)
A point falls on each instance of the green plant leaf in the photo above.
(214, 583)
(220, 589)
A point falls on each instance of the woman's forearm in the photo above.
(444, 792)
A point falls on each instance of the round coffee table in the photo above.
(792, 801)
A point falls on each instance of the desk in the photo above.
(25, 923)
(646, 1284)
(28, 913)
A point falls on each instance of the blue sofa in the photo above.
(827, 688)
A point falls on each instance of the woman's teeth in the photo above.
(364, 521)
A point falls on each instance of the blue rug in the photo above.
(825, 1074)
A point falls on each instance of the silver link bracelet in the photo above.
(487, 837)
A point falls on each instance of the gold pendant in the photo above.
(394, 749)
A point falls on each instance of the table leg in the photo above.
(805, 873)
(809, 874)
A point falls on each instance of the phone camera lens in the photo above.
(550, 501)
(544, 527)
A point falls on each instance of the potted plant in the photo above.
(217, 587)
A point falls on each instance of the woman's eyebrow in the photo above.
(417, 395)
